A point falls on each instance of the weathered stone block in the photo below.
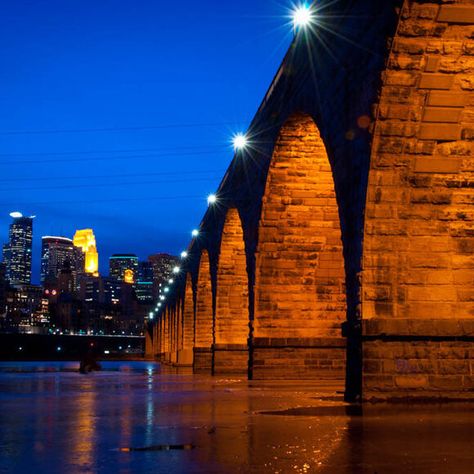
(447, 99)
(442, 114)
(436, 81)
(439, 132)
(456, 14)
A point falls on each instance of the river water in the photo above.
(135, 417)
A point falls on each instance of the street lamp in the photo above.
(302, 16)
(240, 141)
(211, 199)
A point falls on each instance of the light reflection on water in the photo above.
(55, 420)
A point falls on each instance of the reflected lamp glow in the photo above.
(240, 141)
(195, 233)
(211, 199)
(302, 16)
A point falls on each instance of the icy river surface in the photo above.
(135, 417)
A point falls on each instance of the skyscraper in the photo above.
(124, 267)
(163, 264)
(85, 239)
(55, 252)
(144, 285)
(17, 253)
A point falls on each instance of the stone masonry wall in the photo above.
(299, 289)
(204, 317)
(232, 316)
(300, 279)
(188, 315)
(418, 259)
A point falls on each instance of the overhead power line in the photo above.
(105, 176)
(104, 185)
(105, 158)
(118, 129)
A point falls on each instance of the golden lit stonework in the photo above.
(85, 239)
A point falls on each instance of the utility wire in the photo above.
(105, 158)
(102, 185)
(94, 201)
(117, 129)
(105, 176)
(98, 152)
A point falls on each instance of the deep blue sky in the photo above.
(88, 64)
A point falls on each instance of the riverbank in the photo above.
(65, 347)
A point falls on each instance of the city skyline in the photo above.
(37, 261)
(135, 120)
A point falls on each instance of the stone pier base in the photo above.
(202, 360)
(299, 359)
(185, 358)
(407, 358)
(230, 359)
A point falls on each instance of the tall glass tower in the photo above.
(17, 253)
(55, 251)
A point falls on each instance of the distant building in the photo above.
(85, 239)
(163, 265)
(23, 308)
(144, 284)
(124, 267)
(55, 253)
(17, 252)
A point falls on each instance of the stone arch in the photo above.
(418, 270)
(204, 320)
(300, 299)
(232, 315)
(185, 352)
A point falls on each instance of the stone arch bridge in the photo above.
(341, 244)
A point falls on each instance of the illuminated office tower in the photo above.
(124, 267)
(163, 265)
(17, 252)
(144, 285)
(85, 239)
(55, 252)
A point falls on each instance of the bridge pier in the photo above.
(202, 363)
(299, 358)
(429, 358)
(230, 359)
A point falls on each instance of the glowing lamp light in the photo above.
(162, 298)
(16, 214)
(176, 270)
(159, 305)
(240, 141)
(211, 199)
(302, 16)
(167, 289)
(170, 281)
(151, 315)
(195, 233)
(184, 254)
